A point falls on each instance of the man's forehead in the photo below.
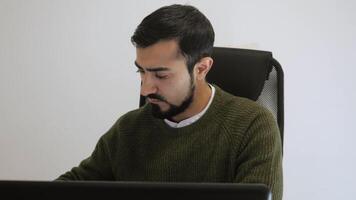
(160, 54)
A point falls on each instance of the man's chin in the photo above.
(170, 109)
(158, 113)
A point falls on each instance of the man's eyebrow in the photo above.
(152, 69)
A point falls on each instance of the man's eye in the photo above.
(140, 71)
(161, 76)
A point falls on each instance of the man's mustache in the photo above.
(156, 96)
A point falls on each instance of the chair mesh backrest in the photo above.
(252, 74)
(268, 97)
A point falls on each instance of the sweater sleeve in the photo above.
(95, 167)
(261, 156)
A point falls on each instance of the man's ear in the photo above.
(202, 67)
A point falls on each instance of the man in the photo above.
(189, 130)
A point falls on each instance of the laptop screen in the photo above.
(131, 190)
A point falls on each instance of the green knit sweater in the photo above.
(236, 140)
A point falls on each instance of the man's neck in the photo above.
(201, 98)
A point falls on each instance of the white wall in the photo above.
(67, 74)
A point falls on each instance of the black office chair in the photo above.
(252, 74)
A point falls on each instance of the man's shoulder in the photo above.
(241, 110)
(244, 118)
(135, 116)
(239, 104)
(128, 122)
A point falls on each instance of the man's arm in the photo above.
(261, 156)
(95, 167)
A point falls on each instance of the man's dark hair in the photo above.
(186, 24)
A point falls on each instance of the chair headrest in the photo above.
(241, 72)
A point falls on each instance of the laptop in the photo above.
(39, 190)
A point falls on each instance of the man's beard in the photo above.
(173, 109)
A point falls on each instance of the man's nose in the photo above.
(147, 86)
